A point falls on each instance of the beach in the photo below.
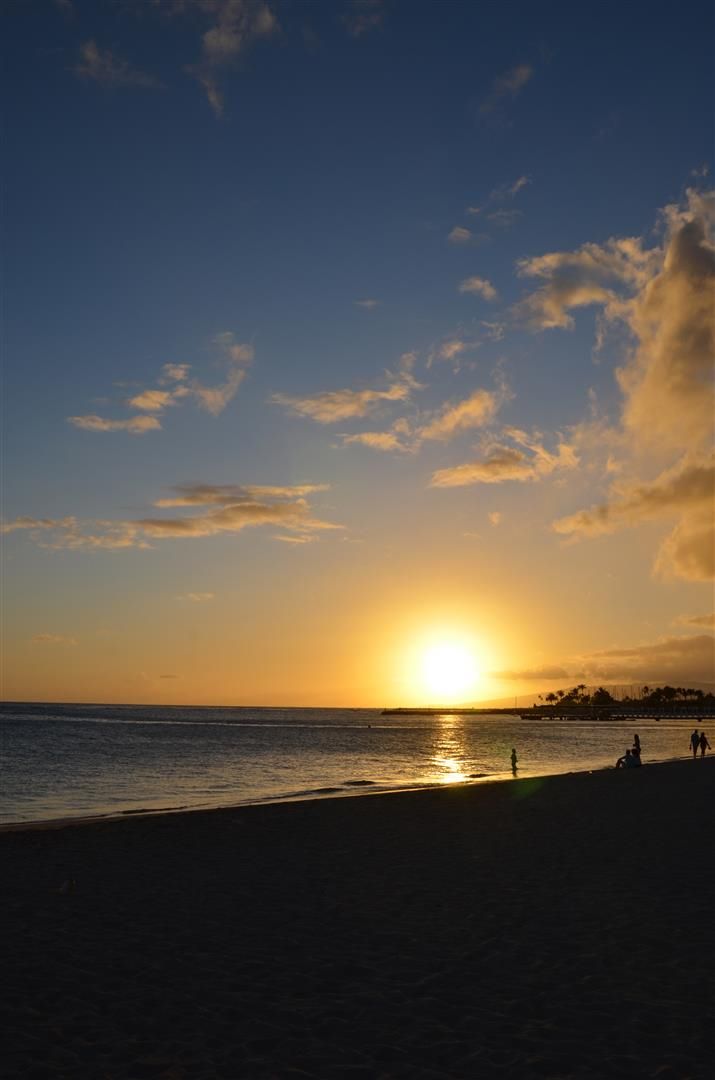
(545, 927)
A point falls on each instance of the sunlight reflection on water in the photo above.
(88, 759)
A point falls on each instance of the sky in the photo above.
(344, 341)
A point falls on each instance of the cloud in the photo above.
(293, 516)
(294, 539)
(460, 235)
(479, 287)
(175, 373)
(529, 460)
(104, 67)
(668, 381)
(237, 356)
(494, 330)
(590, 275)
(451, 350)
(236, 24)
(228, 494)
(663, 298)
(506, 87)
(509, 190)
(685, 491)
(518, 184)
(197, 597)
(376, 440)
(232, 510)
(504, 218)
(474, 411)
(698, 620)
(368, 304)
(53, 639)
(532, 674)
(72, 534)
(136, 425)
(332, 406)
(156, 400)
(495, 518)
(363, 16)
(678, 660)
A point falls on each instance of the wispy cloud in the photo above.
(506, 87)
(235, 26)
(103, 66)
(451, 350)
(236, 357)
(136, 425)
(156, 400)
(548, 671)
(524, 458)
(472, 412)
(362, 16)
(495, 518)
(369, 304)
(228, 494)
(332, 406)
(377, 440)
(460, 235)
(228, 510)
(478, 286)
(197, 597)
(504, 218)
(576, 279)
(53, 639)
(698, 620)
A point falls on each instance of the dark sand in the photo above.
(554, 928)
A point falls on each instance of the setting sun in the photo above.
(448, 670)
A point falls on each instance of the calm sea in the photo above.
(82, 760)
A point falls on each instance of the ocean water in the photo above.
(69, 761)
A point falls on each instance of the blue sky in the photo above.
(295, 199)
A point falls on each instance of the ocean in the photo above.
(74, 761)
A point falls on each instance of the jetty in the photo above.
(613, 711)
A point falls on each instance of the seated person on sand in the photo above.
(628, 761)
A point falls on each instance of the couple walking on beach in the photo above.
(699, 740)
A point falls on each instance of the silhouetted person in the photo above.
(704, 744)
(637, 746)
(628, 761)
(514, 759)
(695, 742)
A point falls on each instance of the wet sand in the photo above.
(539, 928)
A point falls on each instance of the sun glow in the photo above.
(448, 670)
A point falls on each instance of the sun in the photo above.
(448, 670)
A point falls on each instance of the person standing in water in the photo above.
(637, 746)
(695, 742)
(704, 744)
(514, 759)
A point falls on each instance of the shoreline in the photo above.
(41, 824)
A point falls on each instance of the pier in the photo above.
(614, 711)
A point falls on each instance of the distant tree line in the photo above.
(659, 695)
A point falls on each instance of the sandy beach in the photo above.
(561, 927)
